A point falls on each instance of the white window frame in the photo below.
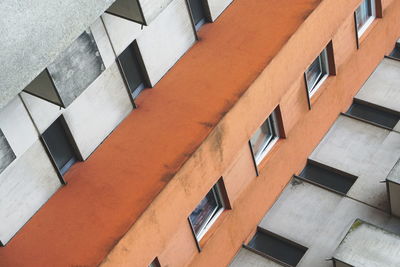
(369, 21)
(267, 146)
(324, 67)
(206, 225)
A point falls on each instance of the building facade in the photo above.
(137, 133)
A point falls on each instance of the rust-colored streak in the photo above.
(106, 194)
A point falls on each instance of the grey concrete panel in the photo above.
(363, 150)
(319, 219)
(217, 7)
(76, 68)
(383, 86)
(98, 110)
(43, 112)
(292, 211)
(26, 24)
(103, 43)
(368, 245)
(17, 127)
(247, 258)
(152, 8)
(122, 32)
(24, 187)
(393, 185)
(166, 40)
(6, 153)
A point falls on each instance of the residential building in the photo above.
(163, 132)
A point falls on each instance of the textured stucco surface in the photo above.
(33, 33)
(367, 245)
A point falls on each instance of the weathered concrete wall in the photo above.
(322, 227)
(25, 186)
(76, 68)
(166, 40)
(96, 113)
(363, 150)
(6, 153)
(24, 26)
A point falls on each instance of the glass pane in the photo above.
(262, 137)
(204, 212)
(363, 13)
(314, 73)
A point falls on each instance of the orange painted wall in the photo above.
(163, 229)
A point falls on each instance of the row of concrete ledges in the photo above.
(352, 227)
(94, 101)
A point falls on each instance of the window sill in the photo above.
(314, 97)
(213, 228)
(365, 33)
(272, 150)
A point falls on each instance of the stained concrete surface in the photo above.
(319, 219)
(76, 68)
(368, 245)
(383, 86)
(6, 153)
(34, 33)
(363, 150)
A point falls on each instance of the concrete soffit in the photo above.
(33, 33)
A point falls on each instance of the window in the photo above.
(264, 138)
(59, 145)
(276, 248)
(207, 211)
(364, 15)
(132, 68)
(327, 177)
(374, 114)
(198, 12)
(317, 72)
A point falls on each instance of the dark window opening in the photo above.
(277, 248)
(133, 69)
(373, 114)
(396, 51)
(59, 146)
(327, 177)
(198, 13)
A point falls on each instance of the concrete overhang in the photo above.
(368, 245)
(33, 33)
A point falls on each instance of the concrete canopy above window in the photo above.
(26, 24)
(140, 11)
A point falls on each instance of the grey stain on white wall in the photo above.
(76, 68)
(6, 153)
